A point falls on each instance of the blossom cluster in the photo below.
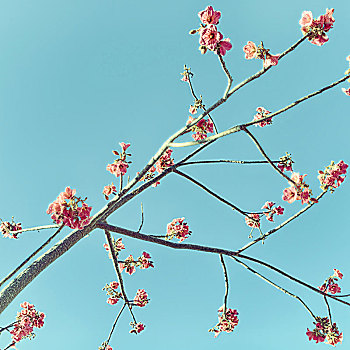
(210, 38)
(262, 113)
(111, 290)
(347, 72)
(325, 332)
(316, 29)
(26, 320)
(186, 74)
(137, 327)
(178, 228)
(129, 264)
(298, 190)
(271, 210)
(227, 321)
(201, 129)
(285, 163)
(329, 285)
(260, 52)
(70, 210)
(108, 190)
(8, 229)
(141, 298)
(118, 246)
(105, 346)
(120, 166)
(333, 175)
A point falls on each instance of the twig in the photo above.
(226, 283)
(227, 161)
(115, 323)
(210, 192)
(229, 77)
(10, 345)
(195, 247)
(7, 327)
(30, 256)
(119, 275)
(238, 128)
(275, 285)
(142, 218)
(281, 225)
(37, 228)
(267, 158)
(328, 308)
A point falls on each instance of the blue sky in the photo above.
(78, 77)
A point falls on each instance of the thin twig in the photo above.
(241, 127)
(7, 327)
(328, 308)
(229, 77)
(30, 256)
(275, 285)
(142, 218)
(119, 275)
(226, 282)
(37, 228)
(227, 161)
(195, 247)
(281, 225)
(121, 183)
(209, 191)
(115, 323)
(257, 144)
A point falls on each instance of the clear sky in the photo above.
(78, 77)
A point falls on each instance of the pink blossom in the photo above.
(262, 113)
(118, 168)
(315, 336)
(112, 301)
(250, 50)
(209, 16)
(129, 265)
(108, 190)
(124, 146)
(346, 91)
(290, 194)
(253, 220)
(271, 211)
(334, 288)
(271, 60)
(306, 19)
(165, 161)
(333, 175)
(210, 37)
(114, 285)
(297, 178)
(305, 196)
(338, 274)
(145, 262)
(178, 228)
(8, 229)
(141, 298)
(201, 129)
(137, 328)
(227, 322)
(193, 110)
(185, 78)
(334, 338)
(224, 45)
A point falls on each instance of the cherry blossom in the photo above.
(201, 129)
(346, 91)
(316, 28)
(332, 176)
(117, 246)
(8, 229)
(113, 294)
(108, 190)
(253, 220)
(210, 37)
(338, 274)
(209, 16)
(178, 228)
(165, 161)
(144, 261)
(70, 210)
(137, 327)
(250, 50)
(141, 298)
(262, 113)
(271, 211)
(285, 163)
(26, 320)
(227, 322)
(120, 166)
(224, 46)
(325, 332)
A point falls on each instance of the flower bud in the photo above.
(202, 49)
(193, 31)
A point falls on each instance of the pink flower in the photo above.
(112, 301)
(145, 262)
(179, 229)
(250, 50)
(108, 190)
(193, 110)
(338, 274)
(333, 288)
(124, 146)
(346, 91)
(314, 336)
(165, 161)
(334, 338)
(271, 60)
(262, 113)
(227, 322)
(224, 45)
(114, 285)
(306, 19)
(290, 194)
(8, 229)
(118, 168)
(185, 78)
(305, 196)
(210, 37)
(209, 16)
(253, 220)
(129, 265)
(333, 176)
(141, 298)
